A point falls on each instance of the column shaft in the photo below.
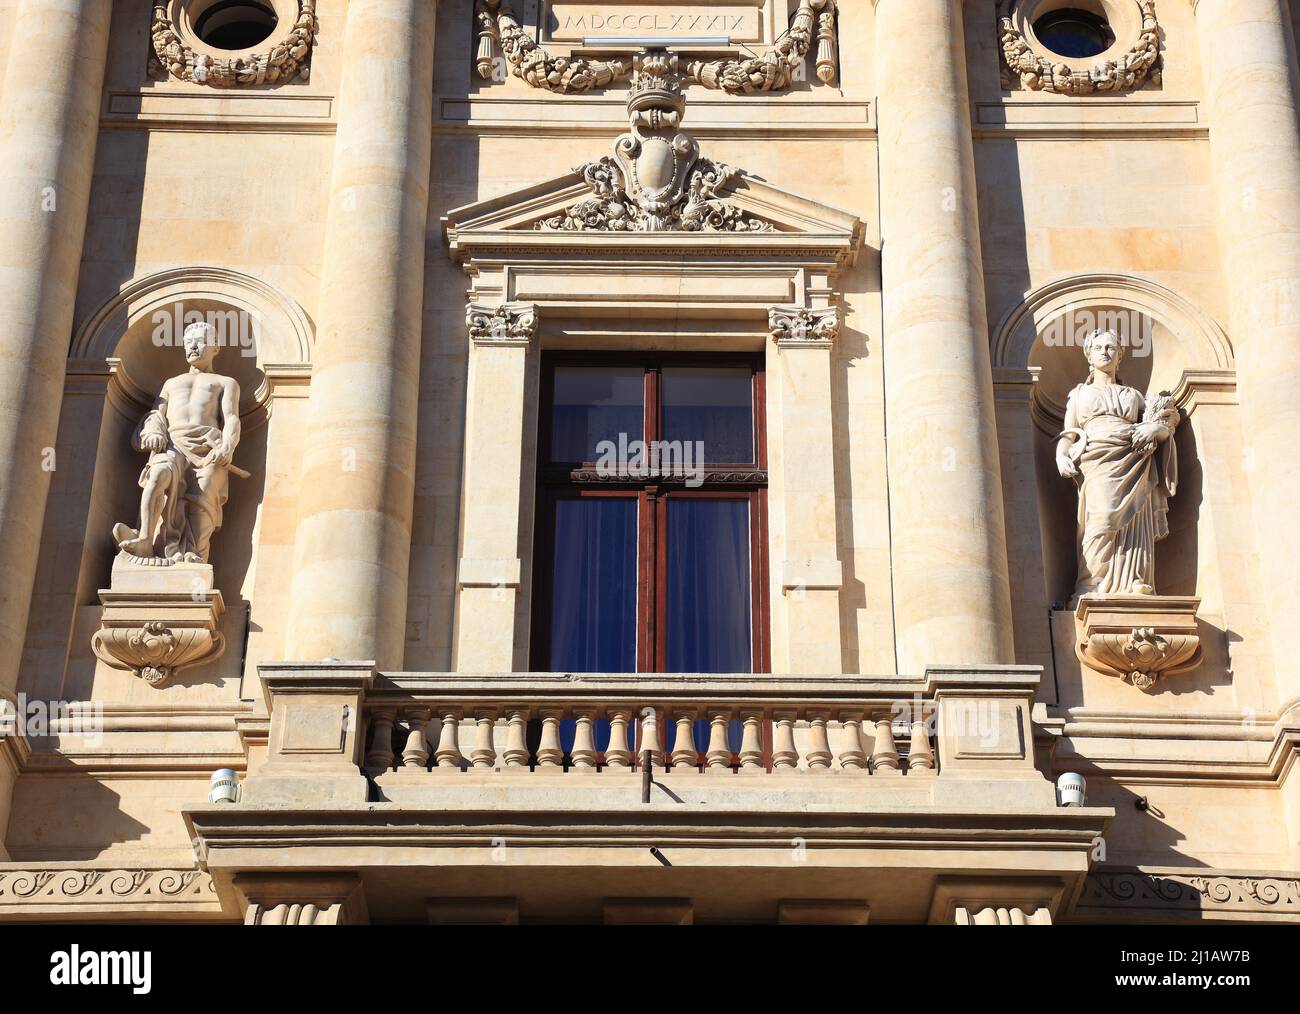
(49, 122)
(1248, 56)
(353, 540)
(951, 597)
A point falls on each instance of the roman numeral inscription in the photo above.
(570, 22)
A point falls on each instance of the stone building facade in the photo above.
(867, 412)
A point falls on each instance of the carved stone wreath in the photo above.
(500, 36)
(178, 54)
(1047, 72)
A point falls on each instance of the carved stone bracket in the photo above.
(1141, 639)
(1038, 70)
(177, 52)
(507, 324)
(800, 327)
(159, 621)
(499, 36)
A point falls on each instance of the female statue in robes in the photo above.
(1117, 446)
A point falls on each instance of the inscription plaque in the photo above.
(570, 20)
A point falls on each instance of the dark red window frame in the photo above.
(722, 480)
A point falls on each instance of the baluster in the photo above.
(650, 737)
(819, 752)
(416, 754)
(583, 753)
(920, 758)
(852, 757)
(884, 756)
(617, 756)
(516, 751)
(751, 742)
(484, 754)
(785, 757)
(380, 755)
(685, 756)
(448, 753)
(718, 757)
(550, 755)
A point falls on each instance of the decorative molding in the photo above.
(1112, 72)
(1197, 894)
(507, 324)
(499, 35)
(655, 181)
(801, 327)
(79, 887)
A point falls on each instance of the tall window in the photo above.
(651, 515)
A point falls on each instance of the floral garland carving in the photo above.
(1041, 73)
(289, 58)
(499, 31)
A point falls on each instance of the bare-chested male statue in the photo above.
(190, 435)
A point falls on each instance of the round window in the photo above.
(236, 24)
(1074, 33)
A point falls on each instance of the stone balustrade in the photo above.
(550, 723)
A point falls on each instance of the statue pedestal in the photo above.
(159, 620)
(1141, 639)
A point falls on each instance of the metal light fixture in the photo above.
(224, 787)
(1071, 790)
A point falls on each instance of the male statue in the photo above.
(190, 435)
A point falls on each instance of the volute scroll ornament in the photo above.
(799, 325)
(507, 324)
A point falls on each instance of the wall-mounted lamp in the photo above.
(1071, 790)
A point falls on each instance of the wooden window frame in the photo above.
(722, 481)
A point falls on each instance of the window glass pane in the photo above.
(592, 404)
(713, 405)
(593, 590)
(708, 586)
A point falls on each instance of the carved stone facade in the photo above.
(856, 253)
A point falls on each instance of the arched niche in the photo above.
(1170, 345)
(118, 360)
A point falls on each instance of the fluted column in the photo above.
(1248, 55)
(353, 540)
(49, 123)
(951, 597)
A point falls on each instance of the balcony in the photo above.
(558, 796)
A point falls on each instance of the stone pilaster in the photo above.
(352, 546)
(1248, 55)
(811, 573)
(951, 596)
(487, 577)
(49, 124)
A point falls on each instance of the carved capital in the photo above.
(1141, 639)
(801, 327)
(507, 324)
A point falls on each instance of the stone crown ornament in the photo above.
(656, 180)
(178, 53)
(1047, 72)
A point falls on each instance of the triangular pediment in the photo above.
(755, 215)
